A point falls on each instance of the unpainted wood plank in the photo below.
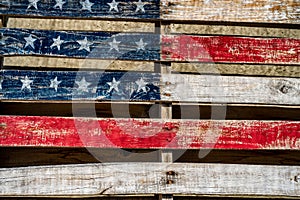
(146, 178)
(234, 30)
(146, 9)
(148, 133)
(230, 89)
(106, 45)
(19, 62)
(81, 85)
(237, 69)
(228, 49)
(253, 11)
(80, 25)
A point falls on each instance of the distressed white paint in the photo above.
(148, 178)
(275, 11)
(230, 89)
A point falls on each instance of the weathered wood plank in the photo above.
(253, 11)
(237, 69)
(146, 9)
(80, 25)
(106, 45)
(70, 85)
(146, 133)
(147, 178)
(59, 85)
(76, 63)
(233, 30)
(230, 49)
(230, 89)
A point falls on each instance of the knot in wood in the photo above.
(286, 87)
(297, 178)
(170, 177)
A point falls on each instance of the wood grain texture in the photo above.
(81, 85)
(237, 69)
(107, 45)
(145, 133)
(80, 25)
(146, 178)
(230, 89)
(125, 9)
(230, 49)
(21, 62)
(233, 30)
(269, 11)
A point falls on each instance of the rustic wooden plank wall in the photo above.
(186, 60)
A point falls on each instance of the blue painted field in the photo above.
(104, 45)
(71, 85)
(128, 9)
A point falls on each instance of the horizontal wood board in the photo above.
(106, 45)
(149, 178)
(71, 85)
(148, 133)
(230, 49)
(142, 46)
(125, 9)
(84, 85)
(252, 11)
(230, 89)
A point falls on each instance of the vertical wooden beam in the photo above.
(165, 111)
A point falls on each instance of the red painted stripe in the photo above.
(133, 133)
(230, 49)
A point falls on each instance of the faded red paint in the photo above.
(134, 133)
(230, 49)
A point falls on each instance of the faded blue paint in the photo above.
(13, 43)
(98, 85)
(73, 8)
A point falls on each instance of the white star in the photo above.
(113, 85)
(86, 5)
(33, 3)
(141, 45)
(57, 42)
(29, 41)
(141, 85)
(114, 45)
(113, 6)
(84, 44)
(140, 6)
(83, 85)
(54, 83)
(26, 83)
(59, 4)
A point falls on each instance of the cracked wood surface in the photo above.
(146, 178)
(148, 133)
